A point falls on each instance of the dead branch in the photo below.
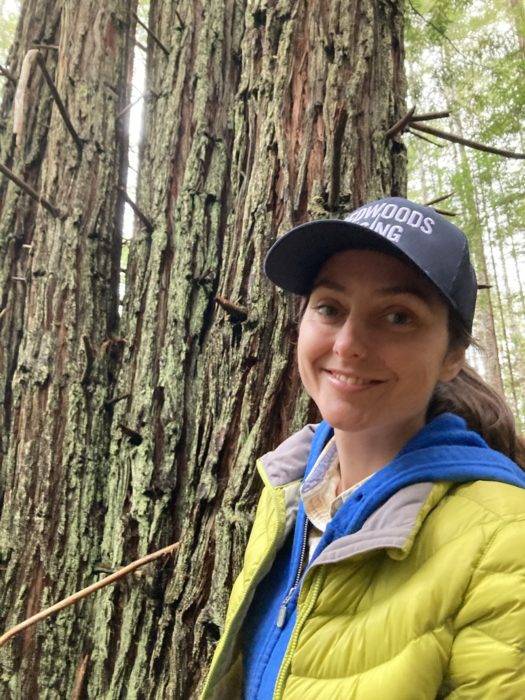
(29, 190)
(76, 597)
(429, 115)
(438, 199)
(112, 402)
(147, 223)
(466, 142)
(444, 212)
(133, 436)
(130, 106)
(401, 124)
(76, 693)
(152, 35)
(7, 74)
(58, 101)
(45, 47)
(424, 138)
(235, 312)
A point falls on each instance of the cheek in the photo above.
(309, 348)
(429, 365)
(302, 351)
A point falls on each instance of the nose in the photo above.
(350, 340)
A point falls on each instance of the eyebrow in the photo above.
(413, 290)
(324, 282)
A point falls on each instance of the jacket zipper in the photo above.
(281, 617)
(302, 614)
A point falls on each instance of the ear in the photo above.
(452, 364)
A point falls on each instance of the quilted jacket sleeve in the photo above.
(488, 654)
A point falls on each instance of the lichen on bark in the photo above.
(263, 114)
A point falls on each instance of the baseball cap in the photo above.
(394, 225)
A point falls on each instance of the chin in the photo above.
(345, 422)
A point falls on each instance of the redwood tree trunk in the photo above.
(57, 326)
(264, 114)
(18, 212)
(259, 115)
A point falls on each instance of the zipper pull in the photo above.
(281, 617)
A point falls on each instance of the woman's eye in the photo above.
(399, 318)
(326, 310)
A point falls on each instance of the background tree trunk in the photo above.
(18, 212)
(259, 116)
(56, 332)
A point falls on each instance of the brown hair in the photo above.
(483, 408)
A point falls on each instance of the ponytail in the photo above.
(484, 410)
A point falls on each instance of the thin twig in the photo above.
(7, 74)
(147, 223)
(72, 599)
(424, 138)
(466, 142)
(29, 190)
(430, 115)
(76, 693)
(152, 35)
(235, 312)
(104, 569)
(130, 106)
(58, 100)
(112, 402)
(438, 30)
(54, 47)
(182, 25)
(444, 212)
(400, 125)
(438, 199)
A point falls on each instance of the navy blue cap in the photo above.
(417, 234)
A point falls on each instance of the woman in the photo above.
(387, 555)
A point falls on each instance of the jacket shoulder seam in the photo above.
(503, 518)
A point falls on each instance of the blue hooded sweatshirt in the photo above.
(443, 450)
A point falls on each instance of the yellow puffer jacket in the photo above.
(426, 601)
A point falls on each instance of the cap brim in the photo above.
(294, 260)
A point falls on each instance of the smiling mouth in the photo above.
(353, 381)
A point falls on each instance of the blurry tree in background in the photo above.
(123, 434)
(468, 58)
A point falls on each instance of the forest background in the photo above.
(465, 59)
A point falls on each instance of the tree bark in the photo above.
(18, 212)
(261, 115)
(57, 332)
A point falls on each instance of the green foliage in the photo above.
(9, 12)
(8, 19)
(469, 58)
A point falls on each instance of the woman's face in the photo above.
(373, 343)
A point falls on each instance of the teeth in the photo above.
(351, 380)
